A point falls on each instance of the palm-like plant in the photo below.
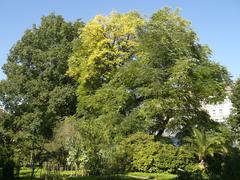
(205, 145)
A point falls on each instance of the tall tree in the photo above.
(234, 119)
(165, 85)
(37, 92)
(183, 77)
(105, 44)
(162, 85)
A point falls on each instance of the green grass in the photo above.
(158, 176)
(103, 178)
(25, 174)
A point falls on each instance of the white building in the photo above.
(221, 111)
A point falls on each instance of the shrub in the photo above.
(155, 157)
(124, 151)
(139, 152)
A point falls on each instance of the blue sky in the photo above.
(217, 22)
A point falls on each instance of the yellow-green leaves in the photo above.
(106, 43)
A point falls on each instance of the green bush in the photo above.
(125, 150)
(140, 152)
(155, 157)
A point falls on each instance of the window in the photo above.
(220, 111)
(214, 111)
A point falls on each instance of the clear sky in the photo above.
(217, 22)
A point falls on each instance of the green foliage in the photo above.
(157, 158)
(163, 87)
(232, 165)
(182, 76)
(37, 92)
(125, 150)
(106, 42)
(204, 144)
(96, 143)
(234, 119)
(134, 78)
(139, 152)
(236, 95)
(210, 149)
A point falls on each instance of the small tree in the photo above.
(205, 145)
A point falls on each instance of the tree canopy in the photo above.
(106, 42)
(99, 97)
(37, 92)
(163, 86)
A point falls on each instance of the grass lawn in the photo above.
(158, 176)
(25, 174)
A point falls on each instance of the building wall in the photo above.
(221, 111)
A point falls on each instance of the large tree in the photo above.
(159, 86)
(105, 44)
(37, 93)
(182, 75)
(166, 83)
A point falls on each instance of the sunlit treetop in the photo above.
(104, 44)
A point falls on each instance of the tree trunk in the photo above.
(32, 166)
(18, 167)
(202, 164)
